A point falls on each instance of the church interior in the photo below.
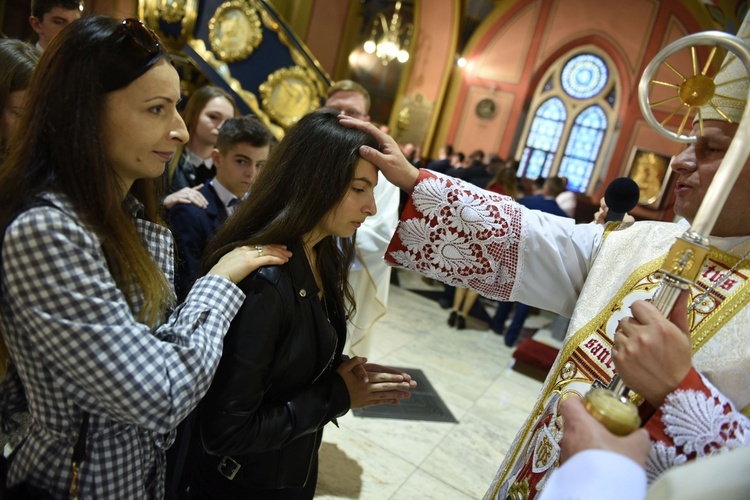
(553, 84)
(550, 83)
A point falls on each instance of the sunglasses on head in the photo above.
(137, 48)
(140, 35)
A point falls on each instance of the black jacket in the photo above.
(276, 385)
(192, 228)
(188, 175)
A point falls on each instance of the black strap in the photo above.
(79, 451)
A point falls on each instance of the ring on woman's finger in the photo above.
(259, 249)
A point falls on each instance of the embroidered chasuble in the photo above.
(469, 237)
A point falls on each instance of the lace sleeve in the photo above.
(695, 420)
(459, 234)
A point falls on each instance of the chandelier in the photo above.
(390, 40)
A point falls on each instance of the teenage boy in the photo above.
(49, 17)
(241, 150)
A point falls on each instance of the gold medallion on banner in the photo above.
(288, 94)
(235, 30)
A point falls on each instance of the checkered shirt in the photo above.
(77, 347)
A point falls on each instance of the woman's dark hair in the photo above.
(18, 60)
(193, 108)
(306, 175)
(62, 149)
(506, 177)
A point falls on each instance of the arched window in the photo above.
(544, 138)
(574, 113)
(584, 145)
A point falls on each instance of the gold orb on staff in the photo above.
(694, 88)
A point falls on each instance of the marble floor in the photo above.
(373, 458)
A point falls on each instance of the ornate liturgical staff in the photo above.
(611, 404)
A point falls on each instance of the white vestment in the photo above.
(596, 474)
(370, 276)
(468, 237)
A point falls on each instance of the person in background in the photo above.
(241, 151)
(100, 354)
(369, 276)
(413, 154)
(443, 163)
(18, 60)
(474, 169)
(49, 17)
(283, 376)
(566, 200)
(543, 200)
(459, 162)
(504, 182)
(191, 166)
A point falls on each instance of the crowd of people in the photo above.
(100, 353)
(108, 347)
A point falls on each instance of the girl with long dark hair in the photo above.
(283, 376)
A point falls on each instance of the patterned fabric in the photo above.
(78, 348)
(461, 238)
(459, 234)
(695, 420)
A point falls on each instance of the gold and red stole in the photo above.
(586, 354)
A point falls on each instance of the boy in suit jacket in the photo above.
(241, 150)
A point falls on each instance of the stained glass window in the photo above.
(543, 139)
(582, 148)
(574, 107)
(584, 76)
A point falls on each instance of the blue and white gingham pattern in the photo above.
(78, 347)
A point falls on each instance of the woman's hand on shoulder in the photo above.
(384, 386)
(240, 262)
(186, 196)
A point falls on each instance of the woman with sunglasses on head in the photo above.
(283, 377)
(191, 166)
(87, 307)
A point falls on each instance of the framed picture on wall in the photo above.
(486, 109)
(650, 170)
